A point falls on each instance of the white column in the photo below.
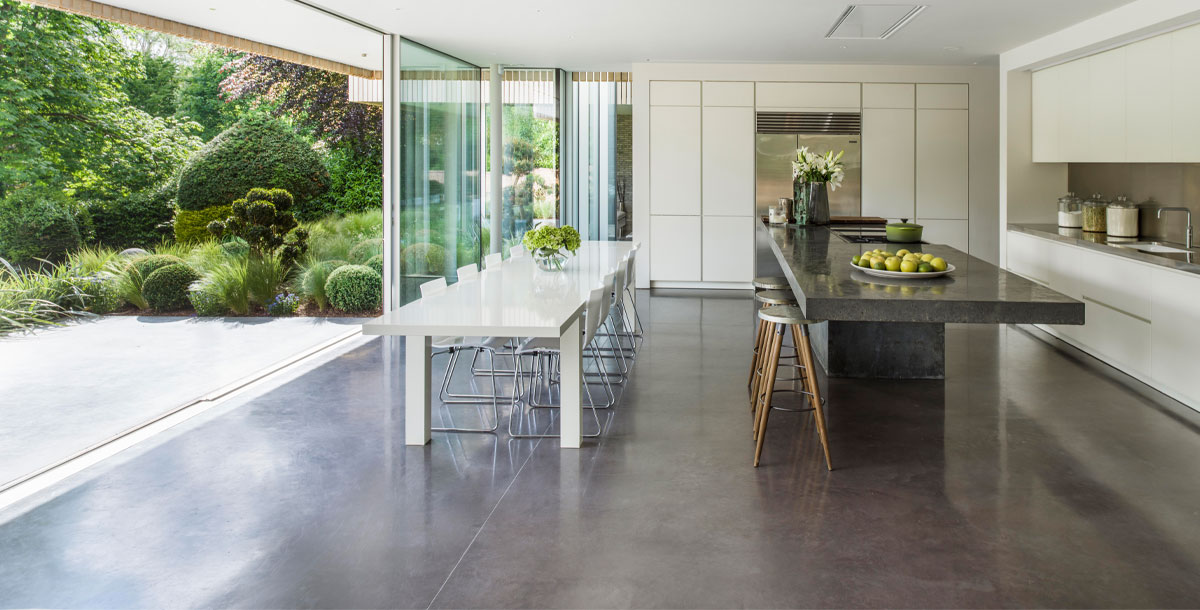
(417, 389)
(391, 172)
(496, 151)
(571, 406)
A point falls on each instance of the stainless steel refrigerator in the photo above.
(774, 153)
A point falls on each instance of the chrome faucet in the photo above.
(1188, 238)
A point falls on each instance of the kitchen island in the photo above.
(895, 328)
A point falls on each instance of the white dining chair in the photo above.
(467, 273)
(516, 251)
(493, 261)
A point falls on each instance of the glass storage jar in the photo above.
(1095, 215)
(1070, 211)
(1122, 218)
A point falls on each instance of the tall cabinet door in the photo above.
(942, 167)
(674, 160)
(1148, 100)
(1185, 94)
(728, 167)
(888, 159)
(728, 249)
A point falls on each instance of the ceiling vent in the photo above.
(873, 21)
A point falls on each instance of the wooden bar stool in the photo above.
(771, 282)
(777, 319)
(767, 298)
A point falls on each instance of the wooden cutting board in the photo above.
(857, 220)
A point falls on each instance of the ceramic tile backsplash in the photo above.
(1152, 185)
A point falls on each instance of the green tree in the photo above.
(60, 79)
(154, 89)
(144, 152)
(199, 95)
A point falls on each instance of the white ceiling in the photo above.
(612, 34)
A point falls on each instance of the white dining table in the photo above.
(517, 299)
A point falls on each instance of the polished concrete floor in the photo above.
(1030, 477)
(65, 389)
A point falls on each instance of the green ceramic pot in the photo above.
(904, 232)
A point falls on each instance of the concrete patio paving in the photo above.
(65, 389)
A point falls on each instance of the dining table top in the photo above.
(515, 299)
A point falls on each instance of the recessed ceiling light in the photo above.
(873, 21)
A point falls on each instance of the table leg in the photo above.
(571, 405)
(417, 389)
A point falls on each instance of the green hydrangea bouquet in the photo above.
(547, 244)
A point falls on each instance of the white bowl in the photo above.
(916, 275)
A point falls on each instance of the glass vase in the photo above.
(800, 199)
(817, 203)
(549, 260)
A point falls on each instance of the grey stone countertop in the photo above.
(818, 266)
(1189, 262)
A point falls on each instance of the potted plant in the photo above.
(549, 245)
(813, 176)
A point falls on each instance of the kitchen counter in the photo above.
(1100, 242)
(892, 328)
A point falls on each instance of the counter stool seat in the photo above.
(775, 297)
(771, 282)
(774, 322)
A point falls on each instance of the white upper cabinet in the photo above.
(888, 95)
(1105, 109)
(946, 96)
(728, 168)
(1185, 94)
(814, 96)
(723, 93)
(1148, 99)
(1047, 99)
(675, 160)
(1073, 128)
(674, 93)
(888, 162)
(942, 164)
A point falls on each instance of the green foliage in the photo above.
(30, 299)
(206, 301)
(550, 239)
(424, 259)
(355, 288)
(145, 265)
(355, 184)
(166, 289)
(264, 278)
(141, 153)
(263, 220)
(199, 98)
(365, 249)
(37, 223)
(153, 90)
(227, 284)
(191, 226)
(376, 263)
(283, 305)
(91, 261)
(313, 281)
(256, 152)
(137, 221)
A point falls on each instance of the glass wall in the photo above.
(599, 155)
(531, 152)
(439, 210)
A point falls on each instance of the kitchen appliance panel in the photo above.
(773, 169)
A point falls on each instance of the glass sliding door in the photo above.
(439, 209)
(599, 155)
(531, 152)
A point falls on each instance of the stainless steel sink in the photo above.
(1153, 247)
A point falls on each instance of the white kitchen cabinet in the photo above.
(945, 96)
(1105, 110)
(728, 93)
(674, 93)
(942, 165)
(814, 96)
(675, 248)
(952, 233)
(728, 245)
(1117, 282)
(888, 162)
(1185, 95)
(1074, 129)
(675, 160)
(1113, 335)
(1046, 100)
(1028, 256)
(1175, 329)
(888, 95)
(728, 161)
(1148, 100)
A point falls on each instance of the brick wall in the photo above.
(625, 165)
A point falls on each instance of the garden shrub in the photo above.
(235, 247)
(283, 305)
(312, 283)
(424, 259)
(146, 265)
(166, 289)
(264, 221)
(355, 288)
(138, 221)
(105, 296)
(37, 223)
(355, 184)
(206, 301)
(191, 226)
(257, 151)
(365, 249)
(376, 263)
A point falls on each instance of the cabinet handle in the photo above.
(1116, 309)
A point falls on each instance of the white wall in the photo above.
(1028, 190)
(983, 81)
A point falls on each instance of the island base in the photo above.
(881, 350)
